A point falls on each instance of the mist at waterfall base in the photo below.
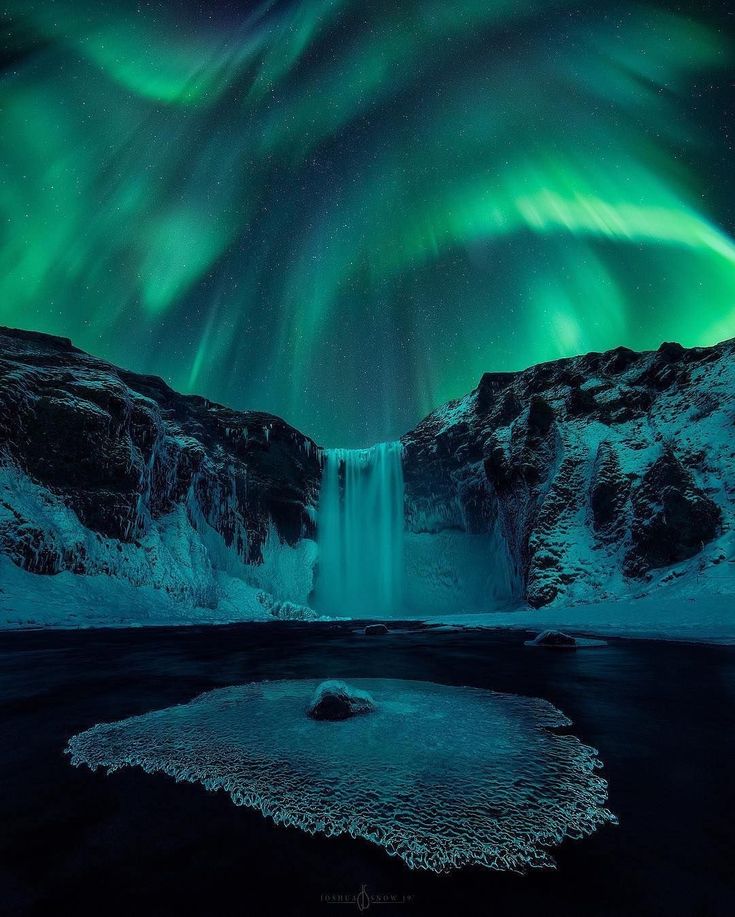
(345, 212)
(371, 566)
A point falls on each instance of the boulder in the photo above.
(374, 630)
(336, 700)
(553, 639)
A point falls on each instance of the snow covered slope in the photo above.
(122, 501)
(603, 478)
(607, 475)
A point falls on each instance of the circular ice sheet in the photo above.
(440, 776)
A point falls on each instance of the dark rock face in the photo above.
(673, 518)
(336, 700)
(596, 469)
(609, 495)
(123, 451)
(375, 630)
(540, 417)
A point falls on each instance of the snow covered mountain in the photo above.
(589, 479)
(606, 475)
(123, 501)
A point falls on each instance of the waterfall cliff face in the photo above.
(360, 532)
(585, 479)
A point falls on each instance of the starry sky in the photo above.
(344, 212)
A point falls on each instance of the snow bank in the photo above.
(181, 571)
(702, 618)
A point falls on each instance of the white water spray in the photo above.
(360, 532)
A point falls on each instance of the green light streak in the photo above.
(346, 212)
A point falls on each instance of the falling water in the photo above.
(360, 532)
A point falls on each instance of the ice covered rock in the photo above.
(557, 640)
(336, 700)
(290, 611)
(553, 639)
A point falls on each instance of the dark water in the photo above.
(74, 842)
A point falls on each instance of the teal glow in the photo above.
(346, 212)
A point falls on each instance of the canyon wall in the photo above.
(578, 480)
(114, 479)
(601, 474)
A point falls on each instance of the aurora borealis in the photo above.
(344, 212)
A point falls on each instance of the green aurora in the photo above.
(345, 212)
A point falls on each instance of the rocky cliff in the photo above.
(604, 474)
(579, 480)
(105, 473)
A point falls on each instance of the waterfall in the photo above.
(360, 532)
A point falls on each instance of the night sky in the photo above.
(345, 211)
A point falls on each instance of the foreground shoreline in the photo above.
(656, 712)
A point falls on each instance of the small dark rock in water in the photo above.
(335, 700)
(554, 639)
(373, 629)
